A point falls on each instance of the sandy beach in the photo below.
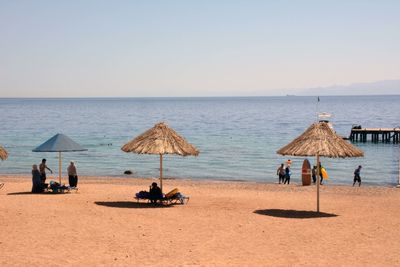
(223, 224)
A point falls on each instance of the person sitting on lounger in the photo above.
(37, 184)
(155, 193)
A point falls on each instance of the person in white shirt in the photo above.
(72, 175)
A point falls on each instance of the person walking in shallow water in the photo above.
(281, 173)
(357, 177)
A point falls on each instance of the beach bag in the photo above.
(143, 194)
(54, 184)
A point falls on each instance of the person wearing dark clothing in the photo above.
(287, 175)
(320, 173)
(72, 175)
(314, 174)
(281, 173)
(357, 177)
(37, 184)
(155, 193)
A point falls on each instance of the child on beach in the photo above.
(289, 163)
(357, 177)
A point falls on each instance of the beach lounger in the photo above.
(57, 188)
(172, 197)
(142, 195)
(175, 197)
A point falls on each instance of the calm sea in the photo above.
(237, 137)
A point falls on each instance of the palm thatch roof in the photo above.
(160, 139)
(320, 139)
(3, 153)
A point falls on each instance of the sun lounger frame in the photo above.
(167, 201)
(61, 190)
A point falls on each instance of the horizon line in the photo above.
(232, 96)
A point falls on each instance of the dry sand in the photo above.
(224, 224)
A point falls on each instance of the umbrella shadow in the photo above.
(20, 193)
(294, 214)
(30, 193)
(130, 205)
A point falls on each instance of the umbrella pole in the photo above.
(59, 166)
(161, 172)
(398, 177)
(318, 181)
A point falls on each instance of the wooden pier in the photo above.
(385, 135)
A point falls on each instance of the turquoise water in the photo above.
(237, 137)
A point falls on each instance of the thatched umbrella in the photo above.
(321, 141)
(160, 140)
(3, 153)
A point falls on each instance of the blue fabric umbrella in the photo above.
(59, 143)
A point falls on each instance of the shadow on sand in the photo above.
(294, 214)
(20, 193)
(130, 205)
(30, 193)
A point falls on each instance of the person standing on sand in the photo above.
(42, 170)
(281, 173)
(320, 173)
(287, 175)
(314, 174)
(357, 177)
(37, 185)
(72, 175)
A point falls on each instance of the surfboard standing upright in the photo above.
(321, 141)
(306, 173)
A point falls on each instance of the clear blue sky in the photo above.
(193, 48)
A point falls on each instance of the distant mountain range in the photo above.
(386, 87)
